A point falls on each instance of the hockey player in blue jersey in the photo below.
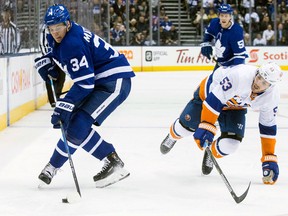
(228, 38)
(101, 82)
(225, 88)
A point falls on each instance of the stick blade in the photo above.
(243, 196)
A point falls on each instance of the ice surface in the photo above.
(159, 185)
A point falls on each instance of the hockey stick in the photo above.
(214, 58)
(235, 197)
(66, 145)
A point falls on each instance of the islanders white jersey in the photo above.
(231, 87)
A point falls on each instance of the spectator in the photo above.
(207, 4)
(269, 35)
(132, 28)
(193, 7)
(247, 39)
(166, 24)
(137, 40)
(270, 9)
(264, 23)
(142, 25)
(133, 13)
(174, 35)
(119, 8)
(246, 4)
(211, 14)
(149, 42)
(162, 14)
(238, 18)
(197, 22)
(281, 35)
(254, 17)
(259, 40)
(113, 17)
(284, 17)
(9, 34)
(118, 35)
(143, 8)
(155, 25)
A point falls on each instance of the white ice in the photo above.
(159, 185)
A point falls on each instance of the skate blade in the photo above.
(117, 176)
(42, 185)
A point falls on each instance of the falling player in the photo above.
(228, 38)
(230, 87)
(102, 81)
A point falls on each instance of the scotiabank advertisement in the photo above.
(267, 54)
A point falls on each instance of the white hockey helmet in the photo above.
(271, 72)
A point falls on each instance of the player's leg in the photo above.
(185, 125)
(232, 127)
(80, 133)
(101, 104)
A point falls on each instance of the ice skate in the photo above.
(207, 164)
(167, 144)
(48, 173)
(111, 172)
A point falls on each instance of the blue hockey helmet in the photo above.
(225, 8)
(55, 14)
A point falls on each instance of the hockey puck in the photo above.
(65, 200)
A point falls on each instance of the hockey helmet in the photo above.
(55, 14)
(271, 72)
(225, 8)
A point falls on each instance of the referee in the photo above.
(45, 48)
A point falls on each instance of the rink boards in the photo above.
(22, 90)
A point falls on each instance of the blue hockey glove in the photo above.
(45, 67)
(270, 169)
(204, 134)
(62, 112)
(206, 49)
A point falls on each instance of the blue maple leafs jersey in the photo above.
(88, 60)
(229, 43)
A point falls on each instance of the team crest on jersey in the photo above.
(219, 49)
(62, 67)
(236, 101)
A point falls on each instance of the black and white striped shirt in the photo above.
(44, 46)
(9, 39)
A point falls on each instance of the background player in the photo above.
(102, 81)
(228, 38)
(230, 87)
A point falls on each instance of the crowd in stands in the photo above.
(134, 28)
(138, 21)
(261, 15)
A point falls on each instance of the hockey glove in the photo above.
(45, 67)
(206, 50)
(62, 112)
(270, 169)
(204, 134)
